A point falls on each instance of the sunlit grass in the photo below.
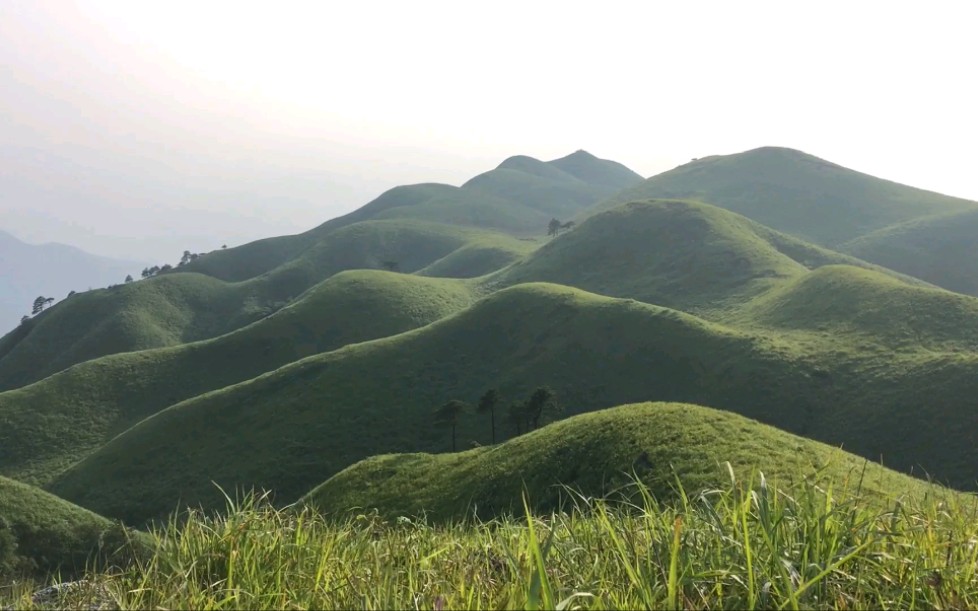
(747, 545)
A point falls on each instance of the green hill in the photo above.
(295, 427)
(867, 306)
(679, 254)
(796, 193)
(179, 307)
(518, 197)
(941, 249)
(40, 532)
(595, 454)
(55, 422)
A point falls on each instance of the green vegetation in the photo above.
(596, 454)
(940, 249)
(42, 534)
(796, 193)
(678, 254)
(175, 308)
(746, 544)
(55, 422)
(295, 427)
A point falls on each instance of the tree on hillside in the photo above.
(391, 266)
(166, 268)
(449, 415)
(487, 404)
(516, 416)
(554, 228)
(128, 278)
(542, 403)
(40, 303)
(568, 225)
(185, 258)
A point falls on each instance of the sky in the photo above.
(140, 130)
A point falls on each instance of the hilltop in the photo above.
(518, 197)
(50, 270)
(596, 454)
(306, 421)
(88, 404)
(679, 254)
(797, 193)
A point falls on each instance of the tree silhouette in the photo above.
(166, 268)
(449, 415)
(568, 225)
(40, 303)
(542, 402)
(487, 404)
(391, 266)
(516, 415)
(185, 258)
(128, 278)
(553, 228)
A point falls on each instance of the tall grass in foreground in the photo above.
(741, 547)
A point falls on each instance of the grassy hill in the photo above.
(519, 197)
(941, 249)
(867, 306)
(596, 454)
(797, 193)
(295, 427)
(55, 422)
(180, 307)
(40, 532)
(680, 254)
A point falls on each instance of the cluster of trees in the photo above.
(522, 416)
(187, 257)
(555, 226)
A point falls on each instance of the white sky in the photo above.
(141, 129)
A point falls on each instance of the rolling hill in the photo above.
(597, 454)
(55, 422)
(179, 307)
(49, 270)
(519, 197)
(796, 193)
(941, 249)
(50, 534)
(306, 421)
(679, 254)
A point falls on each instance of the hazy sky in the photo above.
(140, 129)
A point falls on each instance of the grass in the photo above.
(53, 423)
(295, 427)
(797, 193)
(866, 306)
(746, 544)
(176, 308)
(41, 534)
(597, 454)
(679, 254)
(940, 249)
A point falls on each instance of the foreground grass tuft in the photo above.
(748, 545)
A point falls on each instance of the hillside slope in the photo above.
(181, 307)
(797, 193)
(596, 454)
(51, 534)
(518, 197)
(304, 422)
(52, 424)
(679, 254)
(941, 249)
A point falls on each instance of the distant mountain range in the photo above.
(28, 271)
